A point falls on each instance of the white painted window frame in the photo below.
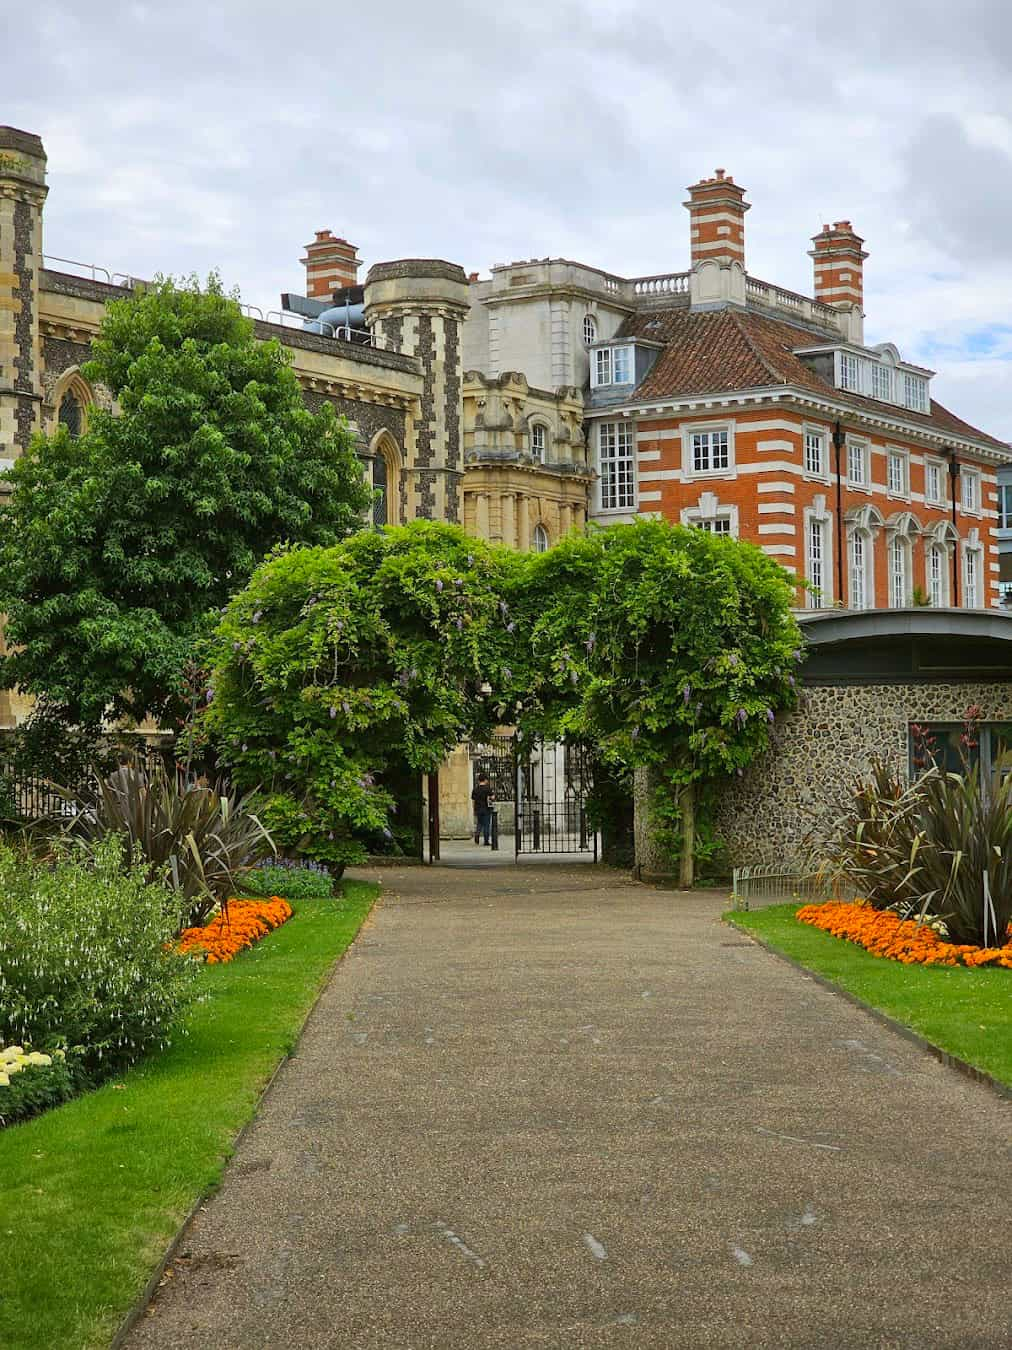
(707, 428)
(969, 476)
(708, 509)
(940, 465)
(936, 552)
(589, 330)
(608, 357)
(867, 541)
(822, 476)
(862, 484)
(896, 453)
(621, 426)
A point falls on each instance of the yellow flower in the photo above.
(4, 1080)
(36, 1058)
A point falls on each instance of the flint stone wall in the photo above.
(784, 806)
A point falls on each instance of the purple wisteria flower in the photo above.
(345, 706)
(591, 643)
(208, 695)
(741, 717)
(333, 712)
(769, 715)
(686, 695)
(257, 616)
(439, 584)
(732, 661)
(792, 681)
(458, 623)
(511, 627)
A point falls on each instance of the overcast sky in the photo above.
(184, 136)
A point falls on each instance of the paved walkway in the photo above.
(550, 1108)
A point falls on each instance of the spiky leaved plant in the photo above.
(201, 838)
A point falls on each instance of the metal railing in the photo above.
(125, 280)
(780, 883)
(298, 323)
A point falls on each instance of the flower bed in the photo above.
(227, 934)
(885, 934)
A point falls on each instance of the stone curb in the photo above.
(143, 1300)
(968, 1070)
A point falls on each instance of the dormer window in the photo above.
(881, 382)
(613, 365)
(850, 372)
(915, 393)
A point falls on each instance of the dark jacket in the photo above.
(482, 797)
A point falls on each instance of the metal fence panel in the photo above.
(780, 883)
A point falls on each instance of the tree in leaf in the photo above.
(117, 545)
(337, 665)
(663, 647)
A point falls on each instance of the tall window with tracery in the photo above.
(70, 413)
(858, 571)
(936, 576)
(897, 573)
(816, 560)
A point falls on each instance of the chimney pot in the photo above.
(717, 209)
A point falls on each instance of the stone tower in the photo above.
(418, 306)
(22, 194)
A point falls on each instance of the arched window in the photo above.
(860, 580)
(385, 477)
(589, 329)
(899, 572)
(70, 413)
(540, 539)
(539, 441)
(380, 486)
(938, 576)
(972, 577)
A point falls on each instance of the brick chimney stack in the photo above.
(839, 266)
(331, 264)
(717, 209)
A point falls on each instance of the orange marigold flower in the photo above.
(883, 933)
(226, 934)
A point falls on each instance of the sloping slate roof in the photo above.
(716, 351)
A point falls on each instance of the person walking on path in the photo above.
(482, 798)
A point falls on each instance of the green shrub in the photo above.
(34, 1088)
(293, 881)
(86, 956)
(924, 849)
(202, 838)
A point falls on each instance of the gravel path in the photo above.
(549, 1107)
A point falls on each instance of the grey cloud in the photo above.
(960, 194)
(188, 135)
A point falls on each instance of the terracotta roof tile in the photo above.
(717, 351)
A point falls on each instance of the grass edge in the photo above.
(946, 1057)
(143, 1300)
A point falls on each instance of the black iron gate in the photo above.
(553, 785)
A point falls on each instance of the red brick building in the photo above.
(724, 402)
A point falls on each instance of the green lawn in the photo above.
(966, 1012)
(92, 1193)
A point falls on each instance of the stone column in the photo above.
(565, 519)
(22, 194)
(481, 523)
(507, 508)
(523, 523)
